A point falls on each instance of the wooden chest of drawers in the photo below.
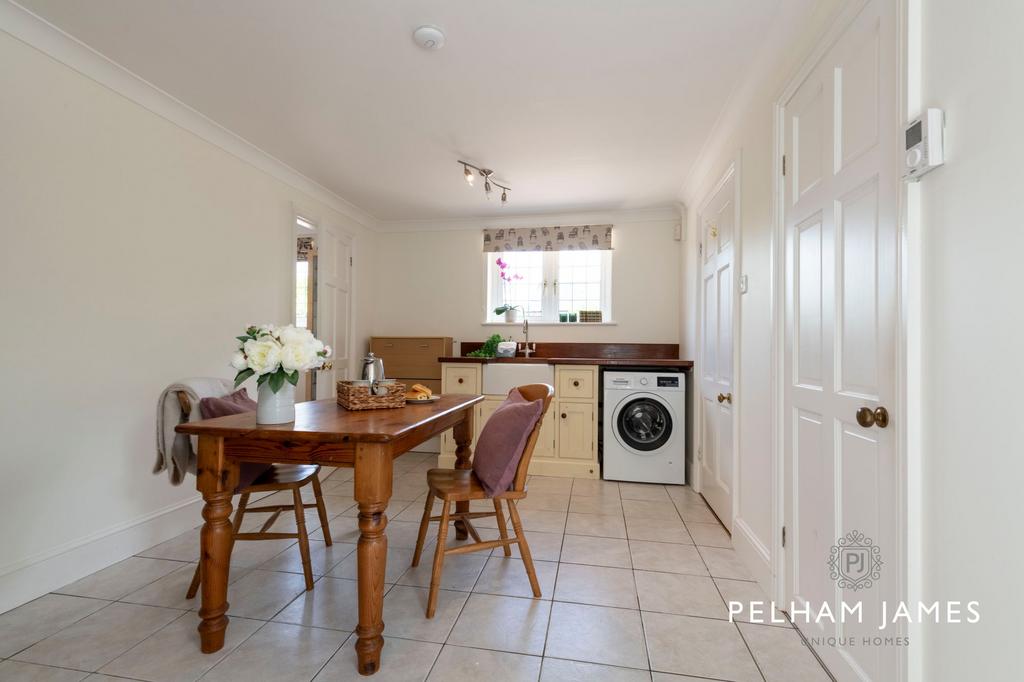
(412, 359)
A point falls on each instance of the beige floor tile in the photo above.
(559, 670)
(596, 634)
(279, 652)
(346, 529)
(285, 523)
(252, 553)
(709, 535)
(683, 494)
(508, 577)
(533, 520)
(413, 513)
(459, 664)
(668, 677)
(121, 578)
(782, 655)
(40, 618)
(173, 654)
(321, 557)
(405, 609)
(596, 551)
(549, 485)
(168, 591)
(643, 491)
(503, 624)
(696, 512)
(184, 547)
(704, 647)
(723, 563)
(666, 557)
(598, 585)
(336, 504)
(30, 672)
(333, 603)
(746, 592)
(340, 488)
(607, 526)
(543, 502)
(687, 595)
(261, 594)
(403, 660)
(398, 561)
(99, 638)
(587, 487)
(658, 530)
(596, 505)
(459, 572)
(543, 546)
(645, 509)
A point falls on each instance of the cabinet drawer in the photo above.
(410, 357)
(577, 383)
(461, 378)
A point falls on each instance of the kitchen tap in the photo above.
(526, 350)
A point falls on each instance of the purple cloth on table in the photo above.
(235, 403)
(502, 441)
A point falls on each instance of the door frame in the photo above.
(908, 314)
(732, 171)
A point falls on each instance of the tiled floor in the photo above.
(634, 578)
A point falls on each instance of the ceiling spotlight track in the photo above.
(489, 182)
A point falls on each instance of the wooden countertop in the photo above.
(603, 362)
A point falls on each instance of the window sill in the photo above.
(610, 323)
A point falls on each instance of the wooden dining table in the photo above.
(323, 433)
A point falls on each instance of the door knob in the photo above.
(725, 398)
(721, 398)
(564, 415)
(867, 417)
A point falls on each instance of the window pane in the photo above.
(520, 282)
(579, 281)
(301, 293)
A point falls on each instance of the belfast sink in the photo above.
(501, 377)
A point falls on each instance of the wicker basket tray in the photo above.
(353, 397)
(590, 316)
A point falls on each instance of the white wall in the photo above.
(973, 325)
(431, 282)
(744, 135)
(133, 252)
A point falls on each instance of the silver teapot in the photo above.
(373, 368)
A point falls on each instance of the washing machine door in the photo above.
(643, 423)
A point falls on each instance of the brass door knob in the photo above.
(721, 398)
(576, 383)
(461, 380)
(867, 417)
(725, 398)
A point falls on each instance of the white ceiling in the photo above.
(578, 104)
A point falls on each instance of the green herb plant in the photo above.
(488, 350)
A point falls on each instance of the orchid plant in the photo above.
(277, 354)
(507, 277)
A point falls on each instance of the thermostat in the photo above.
(923, 145)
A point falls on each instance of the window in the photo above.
(546, 283)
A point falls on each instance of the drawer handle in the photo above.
(423, 345)
(563, 415)
(461, 380)
(576, 383)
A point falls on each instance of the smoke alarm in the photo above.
(429, 37)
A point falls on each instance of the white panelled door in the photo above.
(716, 460)
(840, 201)
(334, 304)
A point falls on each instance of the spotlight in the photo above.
(468, 174)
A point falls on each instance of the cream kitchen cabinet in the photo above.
(566, 446)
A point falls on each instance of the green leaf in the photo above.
(293, 378)
(242, 376)
(277, 381)
(262, 380)
(243, 339)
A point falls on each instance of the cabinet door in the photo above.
(576, 431)
(484, 412)
(546, 440)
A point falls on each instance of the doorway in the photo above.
(839, 192)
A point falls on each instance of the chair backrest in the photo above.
(531, 392)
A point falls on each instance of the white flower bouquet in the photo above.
(277, 354)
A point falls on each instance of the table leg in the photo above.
(372, 492)
(216, 478)
(463, 434)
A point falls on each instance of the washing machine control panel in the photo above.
(668, 382)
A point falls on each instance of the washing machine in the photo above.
(644, 429)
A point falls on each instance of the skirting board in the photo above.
(87, 556)
(754, 555)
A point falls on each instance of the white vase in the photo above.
(512, 315)
(275, 408)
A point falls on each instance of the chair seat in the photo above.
(282, 475)
(461, 485)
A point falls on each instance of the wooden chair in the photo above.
(462, 485)
(276, 478)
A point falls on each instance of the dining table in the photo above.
(323, 433)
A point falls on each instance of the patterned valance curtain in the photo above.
(559, 238)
